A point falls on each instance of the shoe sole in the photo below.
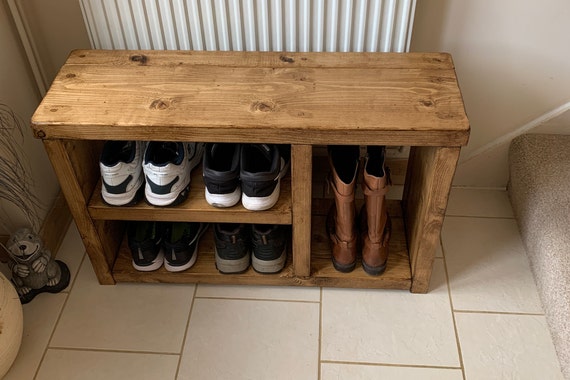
(171, 199)
(269, 266)
(344, 268)
(232, 266)
(374, 271)
(156, 264)
(223, 200)
(193, 258)
(262, 203)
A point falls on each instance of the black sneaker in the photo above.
(181, 245)
(221, 174)
(268, 245)
(232, 247)
(145, 243)
(261, 170)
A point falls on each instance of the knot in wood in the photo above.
(286, 59)
(40, 134)
(426, 102)
(159, 104)
(70, 75)
(262, 106)
(140, 58)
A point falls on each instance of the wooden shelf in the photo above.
(195, 208)
(396, 276)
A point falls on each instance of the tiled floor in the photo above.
(482, 319)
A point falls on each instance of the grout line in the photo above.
(320, 335)
(497, 312)
(389, 364)
(186, 331)
(459, 352)
(48, 345)
(255, 299)
(116, 351)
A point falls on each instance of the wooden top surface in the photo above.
(298, 98)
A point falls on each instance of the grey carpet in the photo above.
(539, 189)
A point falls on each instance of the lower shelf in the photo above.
(396, 276)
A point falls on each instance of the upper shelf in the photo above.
(298, 98)
(195, 208)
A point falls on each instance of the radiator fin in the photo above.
(252, 25)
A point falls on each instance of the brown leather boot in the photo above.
(341, 220)
(375, 224)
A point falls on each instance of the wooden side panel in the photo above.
(77, 187)
(429, 177)
(301, 173)
(56, 224)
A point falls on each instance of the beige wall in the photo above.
(512, 58)
(18, 91)
(55, 31)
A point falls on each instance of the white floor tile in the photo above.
(248, 339)
(134, 317)
(488, 267)
(71, 252)
(479, 202)
(40, 317)
(338, 371)
(501, 346)
(93, 365)
(395, 327)
(289, 293)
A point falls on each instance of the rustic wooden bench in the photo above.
(302, 99)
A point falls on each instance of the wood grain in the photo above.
(65, 162)
(428, 183)
(354, 102)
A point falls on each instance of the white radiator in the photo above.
(252, 25)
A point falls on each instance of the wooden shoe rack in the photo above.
(302, 99)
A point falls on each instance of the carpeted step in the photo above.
(539, 189)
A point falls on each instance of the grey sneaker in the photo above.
(269, 248)
(232, 247)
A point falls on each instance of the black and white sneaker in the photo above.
(232, 247)
(221, 174)
(181, 245)
(269, 244)
(261, 170)
(121, 172)
(145, 243)
(167, 168)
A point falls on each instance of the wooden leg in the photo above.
(428, 182)
(77, 177)
(301, 177)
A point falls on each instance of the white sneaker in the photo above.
(121, 172)
(167, 167)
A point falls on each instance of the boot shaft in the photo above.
(344, 162)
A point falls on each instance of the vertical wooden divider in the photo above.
(301, 183)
